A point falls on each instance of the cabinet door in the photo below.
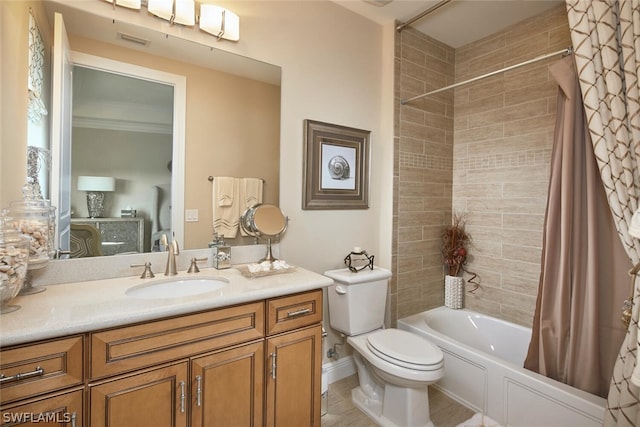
(227, 387)
(293, 378)
(157, 397)
(59, 410)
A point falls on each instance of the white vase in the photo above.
(453, 291)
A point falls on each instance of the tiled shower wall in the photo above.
(422, 172)
(483, 150)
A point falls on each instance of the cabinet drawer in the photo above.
(63, 409)
(131, 347)
(294, 311)
(41, 368)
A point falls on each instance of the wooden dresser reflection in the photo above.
(118, 235)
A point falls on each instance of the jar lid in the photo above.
(30, 205)
(11, 236)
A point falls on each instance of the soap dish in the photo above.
(246, 272)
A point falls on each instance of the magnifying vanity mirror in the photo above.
(224, 92)
(264, 220)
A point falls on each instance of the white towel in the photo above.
(250, 194)
(225, 189)
(226, 206)
(251, 191)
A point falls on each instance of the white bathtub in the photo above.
(483, 370)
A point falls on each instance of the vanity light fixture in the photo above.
(131, 4)
(185, 12)
(178, 11)
(96, 186)
(221, 22)
(161, 8)
(216, 20)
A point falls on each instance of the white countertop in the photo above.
(72, 308)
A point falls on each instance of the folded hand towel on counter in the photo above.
(226, 206)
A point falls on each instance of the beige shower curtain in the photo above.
(576, 328)
(606, 40)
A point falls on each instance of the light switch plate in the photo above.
(191, 215)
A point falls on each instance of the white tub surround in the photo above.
(91, 305)
(483, 359)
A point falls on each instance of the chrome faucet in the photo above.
(170, 269)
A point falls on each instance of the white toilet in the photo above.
(394, 366)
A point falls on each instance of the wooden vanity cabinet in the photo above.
(227, 387)
(166, 395)
(254, 364)
(155, 397)
(58, 409)
(294, 360)
(42, 383)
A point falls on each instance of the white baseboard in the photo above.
(339, 369)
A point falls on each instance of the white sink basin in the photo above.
(176, 288)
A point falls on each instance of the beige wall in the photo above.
(488, 157)
(232, 129)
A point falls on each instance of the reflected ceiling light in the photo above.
(131, 4)
(220, 22)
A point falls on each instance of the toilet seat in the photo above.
(402, 348)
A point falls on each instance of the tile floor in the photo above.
(445, 412)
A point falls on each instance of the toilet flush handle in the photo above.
(341, 290)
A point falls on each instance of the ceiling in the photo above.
(456, 23)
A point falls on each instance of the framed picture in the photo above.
(336, 167)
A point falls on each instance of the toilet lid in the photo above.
(405, 349)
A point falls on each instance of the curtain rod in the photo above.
(422, 15)
(566, 51)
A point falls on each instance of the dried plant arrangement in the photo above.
(455, 244)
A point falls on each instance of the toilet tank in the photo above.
(357, 300)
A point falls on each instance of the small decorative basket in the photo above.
(453, 291)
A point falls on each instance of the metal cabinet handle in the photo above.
(73, 419)
(273, 365)
(198, 390)
(182, 396)
(19, 376)
(298, 312)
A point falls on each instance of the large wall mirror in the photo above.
(123, 128)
